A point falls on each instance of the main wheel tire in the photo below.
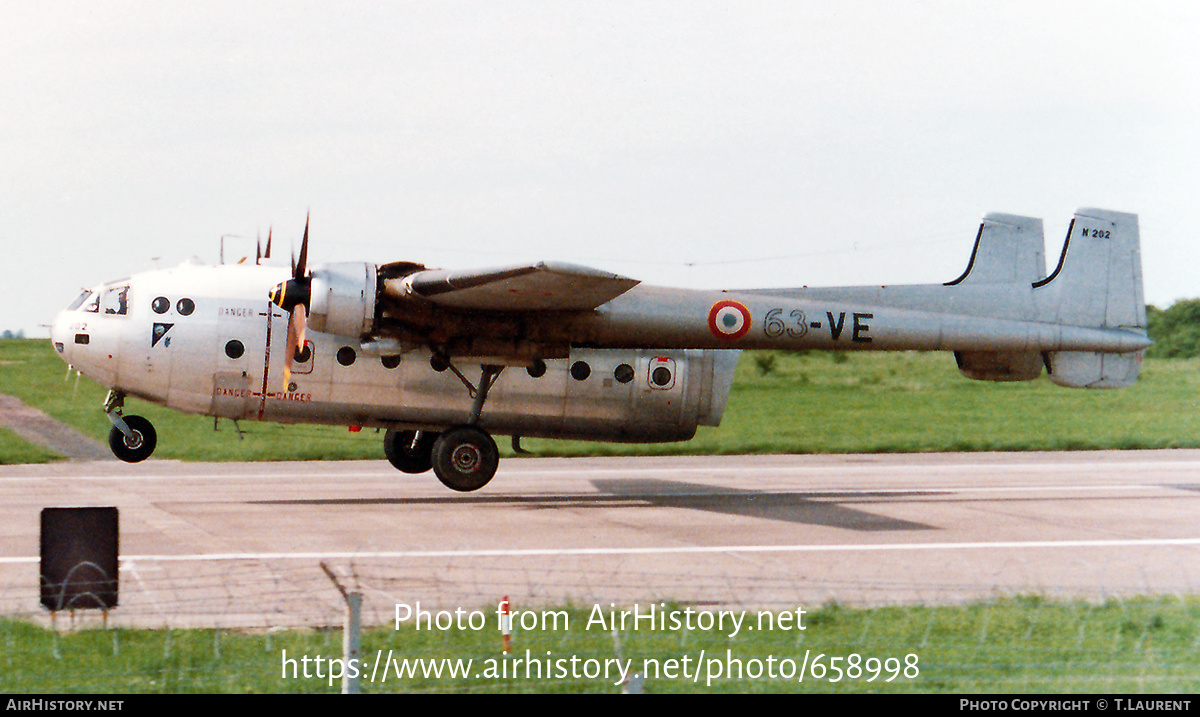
(465, 459)
(408, 455)
(140, 446)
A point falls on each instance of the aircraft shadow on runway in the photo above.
(822, 508)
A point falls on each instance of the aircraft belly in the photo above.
(559, 404)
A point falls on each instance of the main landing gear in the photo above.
(465, 457)
(410, 451)
(132, 438)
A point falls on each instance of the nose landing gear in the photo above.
(132, 438)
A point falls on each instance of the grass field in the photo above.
(781, 403)
(1024, 645)
(803, 403)
(14, 449)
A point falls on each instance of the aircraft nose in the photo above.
(59, 334)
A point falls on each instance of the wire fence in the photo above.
(295, 592)
(231, 624)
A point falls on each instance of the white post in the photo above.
(350, 643)
(350, 635)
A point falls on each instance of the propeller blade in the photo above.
(258, 249)
(297, 329)
(267, 255)
(302, 265)
(289, 352)
(300, 316)
(293, 296)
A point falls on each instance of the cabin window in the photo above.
(346, 356)
(116, 301)
(161, 305)
(234, 349)
(185, 307)
(580, 370)
(623, 373)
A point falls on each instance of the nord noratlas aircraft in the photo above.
(442, 360)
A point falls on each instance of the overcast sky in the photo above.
(722, 145)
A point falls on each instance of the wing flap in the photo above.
(531, 287)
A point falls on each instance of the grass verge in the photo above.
(1020, 645)
(15, 449)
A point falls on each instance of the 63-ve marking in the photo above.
(796, 325)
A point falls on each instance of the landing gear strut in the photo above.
(132, 438)
(465, 457)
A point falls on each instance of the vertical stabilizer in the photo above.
(1008, 250)
(1098, 284)
(1098, 281)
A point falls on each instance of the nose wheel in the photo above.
(138, 444)
(465, 458)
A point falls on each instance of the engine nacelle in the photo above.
(1000, 365)
(343, 299)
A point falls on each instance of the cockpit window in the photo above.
(116, 300)
(79, 302)
(92, 305)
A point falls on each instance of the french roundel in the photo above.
(728, 320)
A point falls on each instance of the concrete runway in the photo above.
(242, 544)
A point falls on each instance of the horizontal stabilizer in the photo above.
(1085, 369)
(999, 365)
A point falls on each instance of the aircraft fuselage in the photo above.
(206, 340)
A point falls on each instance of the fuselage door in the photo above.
(241, 358)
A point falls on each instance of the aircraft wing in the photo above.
(542, 286)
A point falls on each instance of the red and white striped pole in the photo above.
(506, 625)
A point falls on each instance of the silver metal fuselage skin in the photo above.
(225, 358)
(879, 318)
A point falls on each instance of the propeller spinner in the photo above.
(293, 296)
